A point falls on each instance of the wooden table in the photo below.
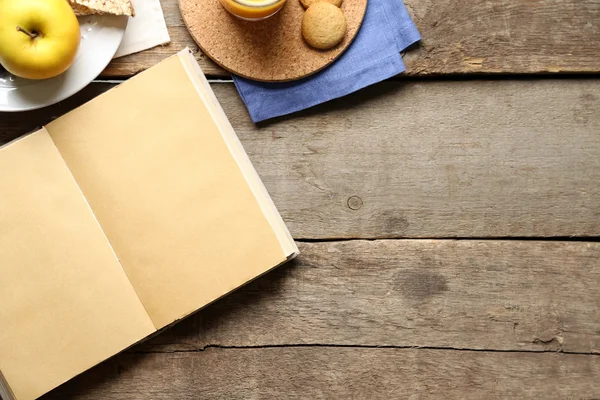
(492, 138)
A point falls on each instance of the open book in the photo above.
(121, 217)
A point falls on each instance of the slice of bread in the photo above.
(91, 7)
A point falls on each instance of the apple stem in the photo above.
(25, 31)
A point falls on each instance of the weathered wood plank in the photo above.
(460, 37)
(424, 159)
(338, 373)
(501, 295)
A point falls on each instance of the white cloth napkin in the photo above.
(146, 30)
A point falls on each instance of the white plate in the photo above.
(101, 36)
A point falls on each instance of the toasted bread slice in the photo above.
(91, 7)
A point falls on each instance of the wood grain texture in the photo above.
(460, 37)
(430, 159)
(338, 373)
(347, 320)
(498, 295)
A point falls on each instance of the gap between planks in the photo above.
(557, 239)
(354, 346)
(411, 78)
(323, 373)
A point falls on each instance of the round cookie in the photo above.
(323, 26)
(307, 3)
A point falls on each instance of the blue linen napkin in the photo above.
(374, 56)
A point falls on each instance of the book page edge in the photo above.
(260, 192)
(6, 392)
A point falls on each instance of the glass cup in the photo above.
(253, 10)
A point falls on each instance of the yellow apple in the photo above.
(38, 38)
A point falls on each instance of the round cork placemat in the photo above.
(272, 50)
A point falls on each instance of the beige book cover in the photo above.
(123, 216)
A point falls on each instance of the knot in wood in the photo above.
(355, 203)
